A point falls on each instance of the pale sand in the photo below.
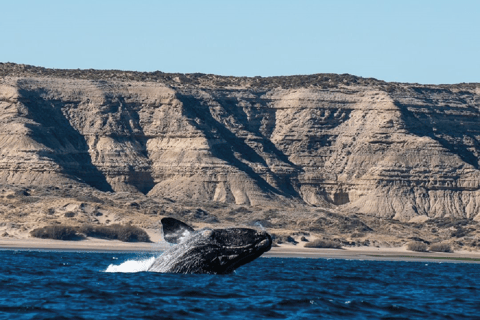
(285, 251)
(83, 245)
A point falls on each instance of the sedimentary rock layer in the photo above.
(387, 149)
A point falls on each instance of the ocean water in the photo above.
(76, 285)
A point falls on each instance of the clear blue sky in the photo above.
(425, 41)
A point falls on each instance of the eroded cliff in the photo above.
(352, 145)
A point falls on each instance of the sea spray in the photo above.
(132, 266)
(258, 224)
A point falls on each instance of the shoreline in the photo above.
(288, 251)
(374, 254)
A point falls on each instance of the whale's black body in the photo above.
(212, 251)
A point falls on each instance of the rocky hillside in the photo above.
(344, 143)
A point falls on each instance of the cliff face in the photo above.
(392, 150)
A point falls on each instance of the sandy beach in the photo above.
(284, 251)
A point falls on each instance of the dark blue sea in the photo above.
(75, 285)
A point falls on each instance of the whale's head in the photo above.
(215, 251)
(224, 250)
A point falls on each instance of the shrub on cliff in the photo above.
(441, 247)
(323, 244)
(56, 233)
(126, 233)
(417, 246)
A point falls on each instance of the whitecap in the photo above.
(131, 266)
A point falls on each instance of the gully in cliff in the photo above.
(212, 251)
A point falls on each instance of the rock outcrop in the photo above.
(351, 144)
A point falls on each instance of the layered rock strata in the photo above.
(357, 145)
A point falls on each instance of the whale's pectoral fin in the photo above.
(174, 231)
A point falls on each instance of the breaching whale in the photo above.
(211, 251)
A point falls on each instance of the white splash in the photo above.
(258, 224)
(131, 266)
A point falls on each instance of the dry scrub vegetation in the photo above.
(318, 243)
(417, 246)
(57, 233)
(441, 247)
(73, 213)
(124, 233)
(191, 79)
